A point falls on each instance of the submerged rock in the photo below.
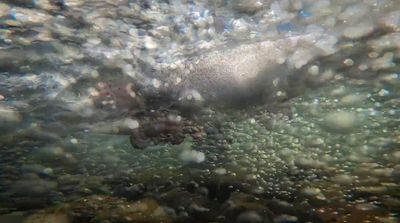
(341, 121)
(10, 118)
(249, 6)
(246, 73)
(74, 74)
(93, 209)
(48, 218)
(244, 208)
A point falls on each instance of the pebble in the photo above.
(310, 191)
(338, 91)
(37, 169)
(313, 70)
(220, 171)
(396, 155)
(131, 123)
(358, 31)
(353, 99)
(341, 121)
(247, 6)
(9, 117)
(372, 190)
(73, 141)
(156, 83)
(348, 62)
(149, 43)
(192, 156)
(285, 219)
(50, 153)
(33, 187)
(354, 12)
(366, 207)
(384, 62)
(343, 179)
(48, 218)
(197, 208)
(249, 217)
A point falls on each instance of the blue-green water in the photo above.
(199, 111)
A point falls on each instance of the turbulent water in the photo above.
(199, 111)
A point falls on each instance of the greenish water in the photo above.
(121, 111)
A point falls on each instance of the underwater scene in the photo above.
(231, 111)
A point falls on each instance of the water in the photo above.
(199, 111)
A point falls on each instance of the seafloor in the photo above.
(138, 111)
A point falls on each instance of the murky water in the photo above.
(199, 111)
